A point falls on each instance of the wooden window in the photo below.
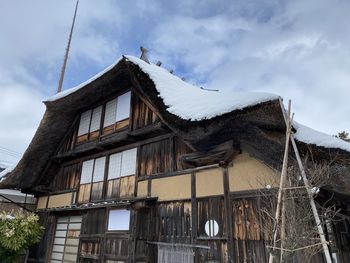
(96, 119)
(91, 181)
(110, 113)
(210, 217)
(86, 171)
(84, 124)
(123, 106)
(117, 113)
(66, 239)
(118, 220)
(122, 164)
(89, 124)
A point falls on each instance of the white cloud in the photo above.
(298, 50)
(20, 113)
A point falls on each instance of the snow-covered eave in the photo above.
(310, 136)
(182, 99)
(5, 172)
(72, 90)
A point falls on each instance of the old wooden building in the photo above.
(135, 165)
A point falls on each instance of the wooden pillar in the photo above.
(193, 209)
(228, 215)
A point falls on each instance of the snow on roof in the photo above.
(5, 172)
(67, 92)
(183, 99)
(193, 103)
(311, 136)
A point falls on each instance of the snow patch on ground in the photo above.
(193, 103)
(311, 136)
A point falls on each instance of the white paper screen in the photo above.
(118, 220)
(110, 113)
(115, 161)
(123, 106)
(84, 123)
(96, 119)
(86, 172)
(128, 162)
(99, 169)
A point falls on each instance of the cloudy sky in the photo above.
(298, 49)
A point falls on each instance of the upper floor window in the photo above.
(116, 116)
(92, 177)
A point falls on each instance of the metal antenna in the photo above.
(60, 83)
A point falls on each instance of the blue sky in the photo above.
(297, 49)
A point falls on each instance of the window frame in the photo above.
(101, 131)
(108, 219)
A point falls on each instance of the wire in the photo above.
(10, 152)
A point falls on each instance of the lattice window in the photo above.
(66, 240)
(175, 253)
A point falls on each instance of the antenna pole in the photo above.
(60, 83)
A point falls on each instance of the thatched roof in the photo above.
(256, 125)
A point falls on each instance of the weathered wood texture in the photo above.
(67, 178)
(142, 115)
(40, 252)
(91, 238)
(155, 158)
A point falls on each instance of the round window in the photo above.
(211, 228)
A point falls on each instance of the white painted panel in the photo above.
(62, 226)
(58, 256)
(84, 123)
(70, 249)
(99, 169)
(72, 241)
(57, 248)
(129, 162)
(62, 219)
(96, 119)
(61, 233)
(75, 219)
(114, 165)
(110, 113)
(86, 172)
(75, 226)
(118, 220)
(59, 241)
(123, 106)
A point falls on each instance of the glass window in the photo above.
(118, 220)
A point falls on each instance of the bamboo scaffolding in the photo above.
(308, 189)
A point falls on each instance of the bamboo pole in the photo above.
(63, 70)
(307, 186)
(280, 190)
(283, 216)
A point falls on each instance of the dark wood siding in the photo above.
(155, 158)
(142, 115)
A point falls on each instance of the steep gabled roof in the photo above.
(201, 117)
